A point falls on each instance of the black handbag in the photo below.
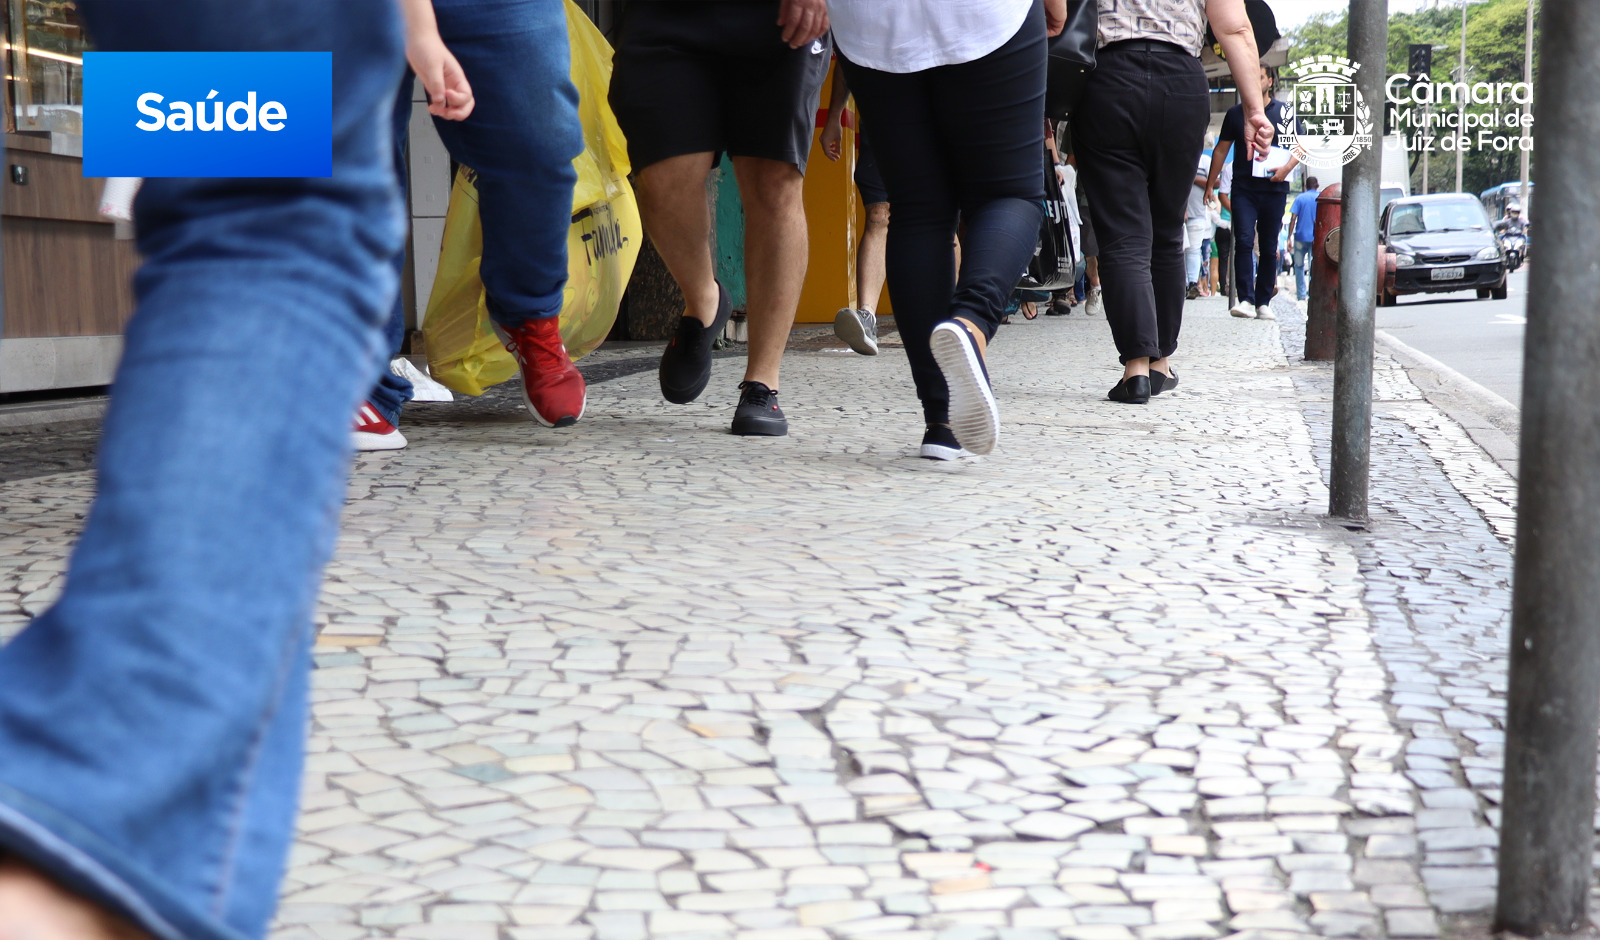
(1071, 58)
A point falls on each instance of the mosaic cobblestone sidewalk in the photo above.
(1116, 681)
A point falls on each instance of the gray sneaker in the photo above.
(858, 329)
(1095, 306)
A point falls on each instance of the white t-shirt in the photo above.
(913, 35)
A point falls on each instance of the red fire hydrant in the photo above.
(1323, 295)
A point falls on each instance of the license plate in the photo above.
(1449, 274)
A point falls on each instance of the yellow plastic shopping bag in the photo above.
(603, 242)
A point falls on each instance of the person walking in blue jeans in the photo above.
(1258, 203)
(1302, 229)
(519, 139)
(152, 721)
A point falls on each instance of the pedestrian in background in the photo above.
(1138, 132)
(1258, 201)
(153, 720)
(858, 325)
(1302, 223)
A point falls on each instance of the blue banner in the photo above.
(155, 114)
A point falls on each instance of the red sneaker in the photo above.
(552, 387)
(374, 432)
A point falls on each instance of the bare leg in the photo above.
(774, 258)
(32, 907)
(677, 216)
(1162, 365)
(869, 257)
(1093, 267)
(1132, 367)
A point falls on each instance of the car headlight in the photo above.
(1489, 254)
(1403, 260)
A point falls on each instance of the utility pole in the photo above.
(1425, 111)
(1368, 43)
(1527, 109)
(1461, 105)
(1553, 701)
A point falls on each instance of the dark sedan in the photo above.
(1441, 242)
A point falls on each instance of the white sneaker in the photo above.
(858, 329)
(1244, 310)
(1095, 306)
(1264, 312)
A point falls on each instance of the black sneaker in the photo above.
(758, 413)
(1192, 292)
(686, 362)
(974, 416)
(939, 443)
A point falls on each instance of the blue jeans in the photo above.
(1301, 258)
(152, 722)
(1257, 219)
(520, 141)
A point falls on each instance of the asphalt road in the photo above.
(1481, 339)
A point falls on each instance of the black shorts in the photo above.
(868, 182)
(697, 76)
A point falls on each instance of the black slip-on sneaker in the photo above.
(758, 414)
(1161, 382)
(939, 443)
(686, 362)
(974, 416)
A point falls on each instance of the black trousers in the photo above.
(1138, 133)
(956, 143)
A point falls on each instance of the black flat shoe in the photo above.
(1133, 390)
(1161, 382)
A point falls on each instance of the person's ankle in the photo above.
(977, 335)
(703, 304)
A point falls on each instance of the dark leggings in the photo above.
(958, 142)
(1137, 134)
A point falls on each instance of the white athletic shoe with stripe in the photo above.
(374, 432)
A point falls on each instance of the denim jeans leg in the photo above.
(1244, 245)
(1302, 255)
(520, 140)
(152, 720)
(391, 392)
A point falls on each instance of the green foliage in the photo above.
(1495, 34)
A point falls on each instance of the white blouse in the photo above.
(913, 35)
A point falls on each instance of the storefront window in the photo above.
(46, 45)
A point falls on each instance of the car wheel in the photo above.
(1499, 293)
(1483, 292)
(1386, 299)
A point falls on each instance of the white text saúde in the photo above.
(181, 116)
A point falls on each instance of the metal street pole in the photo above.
(1461, 107)
(1426, 109)
(1553, 702)
(1368, 43)
(1527, 76)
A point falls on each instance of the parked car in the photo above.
(1441, 242)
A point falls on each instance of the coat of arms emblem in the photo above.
(1329, 121)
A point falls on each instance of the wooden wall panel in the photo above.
(56, 188)
(64, 278)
